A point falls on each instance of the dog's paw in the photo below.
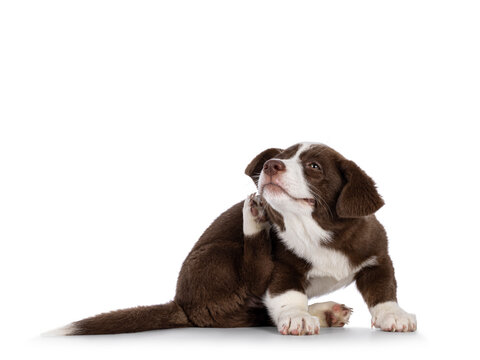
(254, 215)
(331, 314)
(298, 323)
(389, 316)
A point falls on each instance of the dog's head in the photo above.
(313, 179)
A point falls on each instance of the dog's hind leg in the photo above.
(330, 313)
(257, 258)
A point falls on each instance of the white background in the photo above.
(125, 127)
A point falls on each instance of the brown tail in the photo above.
(141, 318)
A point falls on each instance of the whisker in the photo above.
(321, 201)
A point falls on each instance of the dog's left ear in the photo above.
(359, 196)
(256, 165)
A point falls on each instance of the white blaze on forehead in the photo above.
(304, 146)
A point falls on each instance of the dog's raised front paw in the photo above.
(298, 323)
(388, 316)
(254, 215)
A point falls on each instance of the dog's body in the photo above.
(310, 231)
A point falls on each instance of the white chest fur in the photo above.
(331, 269)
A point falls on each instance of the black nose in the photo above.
(272, 167)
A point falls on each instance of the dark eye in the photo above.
(314, 165)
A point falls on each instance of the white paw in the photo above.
(254, 216)
(331, 313)
(298, 323)
(388, 316)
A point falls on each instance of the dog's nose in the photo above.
(272, 167)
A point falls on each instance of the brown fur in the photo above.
(141, 318)
(223, 279)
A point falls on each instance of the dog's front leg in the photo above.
(289, 312)
(378, 287)
(287, 303)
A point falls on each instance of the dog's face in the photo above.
(313, 179)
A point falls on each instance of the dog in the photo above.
(309, 230)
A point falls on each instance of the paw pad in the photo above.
(257, 208)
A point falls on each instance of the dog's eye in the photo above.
(314, 165)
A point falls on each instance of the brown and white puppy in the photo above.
(310, 231)
(321, 206)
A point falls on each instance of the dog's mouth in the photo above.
(275, 188)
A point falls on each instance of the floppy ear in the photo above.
(359, 196)
(256, 165)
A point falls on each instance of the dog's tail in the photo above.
(141, 318)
